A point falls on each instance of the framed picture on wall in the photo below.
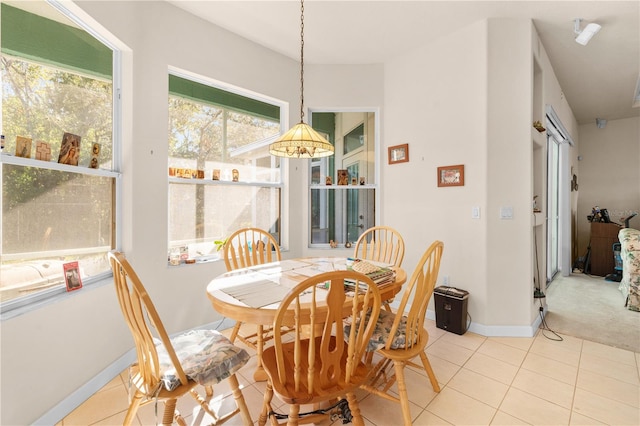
(451, 175)
(399, 154)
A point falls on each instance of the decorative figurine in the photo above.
(216, 174)
(333, 244)
(235, 175)
(328, 180)
(343, 177)
(347, 244)
(362, 180)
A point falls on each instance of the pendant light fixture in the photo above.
(301, 140)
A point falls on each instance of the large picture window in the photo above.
(214, 131)
(343, 187)
(56, 80)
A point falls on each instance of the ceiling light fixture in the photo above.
(301, 140)
(584, 35)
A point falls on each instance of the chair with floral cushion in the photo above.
(400, 337)
(168, 368)
(381, 244)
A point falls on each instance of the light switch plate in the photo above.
(475, 212)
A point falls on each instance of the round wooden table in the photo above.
(252, 295)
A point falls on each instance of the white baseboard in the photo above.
(499, 330)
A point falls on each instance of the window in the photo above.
(342, 212)
(214, 131)
(56, 79)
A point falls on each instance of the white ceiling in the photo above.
(598, 80)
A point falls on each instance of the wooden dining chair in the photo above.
(400, 337)
(318, 364)
(249, 247)
(380, 244)
(169, 368)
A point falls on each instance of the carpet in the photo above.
(592, 308)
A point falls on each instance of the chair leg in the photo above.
(266, 405)
(430, 373)
(294, 411)
(133, 408)
(355, 409)
(240, 402)
(169, 412)
(402, 392)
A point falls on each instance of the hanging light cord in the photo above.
(301, 61)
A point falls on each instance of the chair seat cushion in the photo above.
(382, 331)
(207, 357)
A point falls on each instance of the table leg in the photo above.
(259, 375)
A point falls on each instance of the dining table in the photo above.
(252, 295)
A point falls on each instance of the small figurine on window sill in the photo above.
(347, 244)
(333, 244)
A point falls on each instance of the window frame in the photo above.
(18, 306)
(377, 163)
(283, 126)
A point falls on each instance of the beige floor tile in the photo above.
(505, 419)
(443, 369)
(580, 420)
(477, 386)
(429, 419)
(449, 351)
(380, 411)
(522, 343)
(468, 340)
(563, 352)
(624, 392)
(544, 387)
(492, 368)
(604, 409)
(532, 409)
(99, 406)
(116, 419)
(551, 368)
(610, 353)
(608, 368)
(459, 409)
(508, 354)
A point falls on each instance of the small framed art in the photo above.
(398, 153)
(451, 175)
(72, 276)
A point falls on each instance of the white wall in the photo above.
(609, 173)
(436, 101)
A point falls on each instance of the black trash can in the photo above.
(451, 309)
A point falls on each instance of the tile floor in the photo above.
(494, 380)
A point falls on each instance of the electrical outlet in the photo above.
(445, 280)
